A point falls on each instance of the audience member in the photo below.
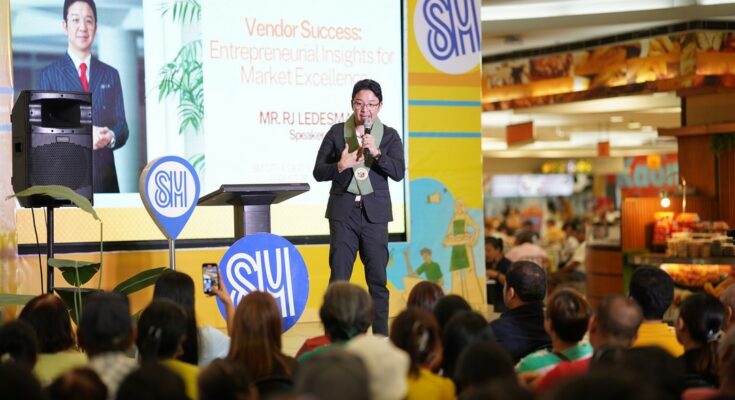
(575, 264)
(461, 331)
(50, 319)
(226, 380)
(256, 344)
(520, 330)
(77, 384)
(498, 390)
(152, 381)
(726, 364)
(496, 266)
(728, 300)
(614, 325)
(19, 383)
(526, 249)
(105, 333)
(651, 364)
(653, 290)
(387, 366)
(447, 307)
(480, 364)
(567, 318)
(425, 295)
(416, 332)
(611, 384)
(18, 345)
(698, 330)
(202, 344)
(333, 374)
(161, 333)
(346, 311)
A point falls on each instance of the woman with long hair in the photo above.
(202, 344)
(698, 330)
(416, 332)
(256, 338)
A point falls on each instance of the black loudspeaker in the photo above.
(52, 144)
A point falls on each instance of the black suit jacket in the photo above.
(107, 109)
(521, 330)
(390, 164)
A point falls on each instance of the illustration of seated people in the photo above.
(429, 268)
(461, 236)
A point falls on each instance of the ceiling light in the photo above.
(616, 119)
(634, 125)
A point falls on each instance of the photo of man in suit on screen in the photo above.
(78, 71)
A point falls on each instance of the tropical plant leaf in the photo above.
(182, 11)
(9, 299)
(60, 192)
(75, 273)
(68, 295)
(140, 281)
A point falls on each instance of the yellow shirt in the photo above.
(189, 373)
(661, 335)
(50, 365)
(429, 386)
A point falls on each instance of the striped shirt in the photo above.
(543, 361)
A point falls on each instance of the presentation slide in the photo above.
(245, 92)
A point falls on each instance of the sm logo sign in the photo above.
(267, 263)
(448, 33)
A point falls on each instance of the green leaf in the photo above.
(68, 294)
(59, 192)
(9, 299)
(140, 281)
(75, 273)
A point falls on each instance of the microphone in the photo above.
(368, 128)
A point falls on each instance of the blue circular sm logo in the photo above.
(267, 263)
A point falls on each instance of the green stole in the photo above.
(360, 183)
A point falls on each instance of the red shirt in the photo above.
(312, 343)
(563, 371)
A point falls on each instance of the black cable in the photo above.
(38, 248)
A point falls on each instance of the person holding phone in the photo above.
(203, 344)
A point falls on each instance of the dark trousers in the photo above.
(345, 239)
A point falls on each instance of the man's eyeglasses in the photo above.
(360, 105)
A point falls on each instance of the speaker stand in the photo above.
(49, 249)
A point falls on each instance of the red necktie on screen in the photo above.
(83, 77)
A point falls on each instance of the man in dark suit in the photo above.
(78, 71)
(358, 156)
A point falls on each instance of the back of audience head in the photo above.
(256, 336)
(77, 384)
(179, 288)
(728, 300)
(49, 317)
(526, 281)
(567, 315)
(152, 381)
(611, 384)
(425, 295)
(347, 311)
(461, 331)
(726, 354)
(616, 322)
(449, 306)
(416, 332)
(499, 390)
(18, 345)
(226, 380)
(387, 366)
(161, 331)
(18, 383)
(334, 374)
(105, 325)
(700, 321)
(653, 289)
(650, 364)
(482, 363)
(525, 235)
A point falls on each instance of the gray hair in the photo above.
(346, 312)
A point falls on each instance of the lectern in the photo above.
(252, 203)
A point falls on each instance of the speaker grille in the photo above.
(61, 163)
